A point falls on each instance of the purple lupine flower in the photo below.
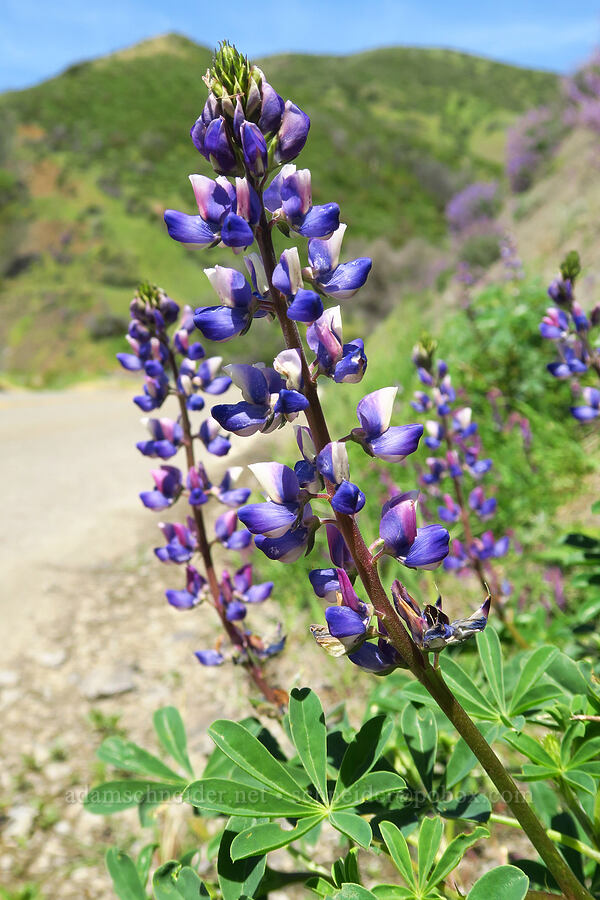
(379, 658)
(199, 485)
(332, 463)
(376, 436)
(306, 468)
(289, 197)
(213, 440)
(181, 338)
(218, 220)
(249, 592)
(560, 291)
(347, 622)
(487, 547)
(485, 508)
(416, 548)
(195, 588)
(226, 493)
(209, 657)
(207, 379)
(591, 409)
(287, 507)
(339, 280)
(285, 522)
(267, 402)
(305, 305)
(181, 542)
(568, 366)
(555, 324)
(437, 470)
(457, 559)
(450, 511)
(422, 402)
(338, 550)
(166, 439)
(435, 433)
(430, 629)
(292, 133)
(238, 306)
(168, 481)
(156, 387)
(342, 362)
(254, 148)
(226, 533)
(325, 583)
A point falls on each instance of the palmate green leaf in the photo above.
(353, 826)
(264, 837)
(506, 882)
(535, 666)
(234, 798)
(249, 754)
(467, 692)
(124, 874)
(392, 892)
(144, 861)
(590, 748)
(490, 653)
(369, 787)
(172, 881)
(398, 850)
(170, 731)
(115, 796)
(581, 781)
(430, 836)
(567, 674)
(354, 892)
(530, 748)
(419, 729)
(128, 756)
(243, 876)
(309, 734)
(453, 854)
(363, 752)
(535, 698)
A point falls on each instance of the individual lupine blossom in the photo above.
(430, 628)
(284, 524)
(175, 365)
(454, 438)
(345, 363)
(267, 400)
(568, 326)
(248, 134)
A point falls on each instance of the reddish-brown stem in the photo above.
(237, 637)
(417, 663)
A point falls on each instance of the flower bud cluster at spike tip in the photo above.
(568, 326)
(174, 365)
(453, 437)
(245, 125)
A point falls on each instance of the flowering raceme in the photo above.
(571, 330)
(176, 362)
(247, 133)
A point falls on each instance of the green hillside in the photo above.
(90, 159)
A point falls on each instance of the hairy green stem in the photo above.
(414, 659)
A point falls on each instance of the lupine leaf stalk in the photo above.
(247, 131)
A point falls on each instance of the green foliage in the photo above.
(507, 882)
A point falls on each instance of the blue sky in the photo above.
(39, 39)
